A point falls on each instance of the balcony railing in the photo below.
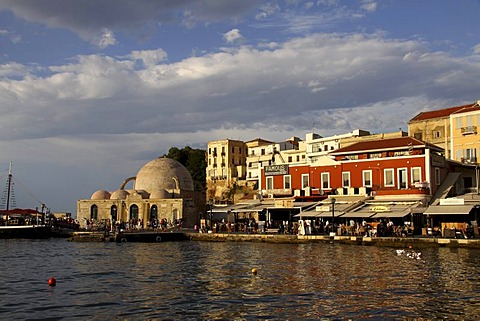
(469, 160)
(469, 130)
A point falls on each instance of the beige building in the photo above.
(162, 189)
(226, 166)
(465, 139)
(454, 129)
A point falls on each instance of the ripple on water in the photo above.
(190, 280)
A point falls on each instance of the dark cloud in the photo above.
(91, 18)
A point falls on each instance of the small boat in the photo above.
(22, 223)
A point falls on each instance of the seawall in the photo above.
(398, 242)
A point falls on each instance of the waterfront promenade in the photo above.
(400, 242)
(190, 234)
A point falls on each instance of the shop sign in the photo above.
(380, 209)
(452, 201)
(271, 170)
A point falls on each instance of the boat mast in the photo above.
(9, 184)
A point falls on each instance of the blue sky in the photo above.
(91, 90)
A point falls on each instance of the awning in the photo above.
(391, 214)
(324, 210)
(383, 210)
(448, 210)
(445, 187)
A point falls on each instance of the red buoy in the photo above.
(52, 282)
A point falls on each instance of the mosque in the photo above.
(162, 189)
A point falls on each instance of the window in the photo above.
(346, 179)
(418, 135)
(113, 213)
(471, 155)
(289, 159)
(94, 212)
(298, 158)
(402, 178)
(325, 179)
(436, 134)
(134, 212)
(269, 182)
(262, 152)
(388, 177)
(153, 213)
(367, 178)
(469, 120)
(458, 122)
(287, 181)
(305, 180)
(437, 176)
(416, 173)
(459, 154)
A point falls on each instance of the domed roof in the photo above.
(163, 173)
(119, 194)
(160, 194)
(100, 195)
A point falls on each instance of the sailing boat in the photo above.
(22, 223)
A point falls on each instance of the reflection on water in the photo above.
(204, 281)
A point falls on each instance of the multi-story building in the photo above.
(225, 165)
(441, 127)
(465, 139)
(318, 146)
(263, 153)
(392, 171)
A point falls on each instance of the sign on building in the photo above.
(272, 170)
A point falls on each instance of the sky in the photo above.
(91, 90)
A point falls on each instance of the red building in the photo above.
(401, 166)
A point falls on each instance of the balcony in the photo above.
(469, 130)
(469, 160)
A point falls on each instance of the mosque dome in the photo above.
(119, 194)
(163, 174)
(160, 194)
(100, 195)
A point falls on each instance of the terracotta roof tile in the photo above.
(446, 112)
(382, 144)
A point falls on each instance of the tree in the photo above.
(194, 161)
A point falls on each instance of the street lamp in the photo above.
(332, 201)
(211, 214)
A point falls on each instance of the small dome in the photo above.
(100, 195)
(163, 173)
(160, 194)
(120, 194)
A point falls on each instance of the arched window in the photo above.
(153, 213)
(113, 213)
(174, 215)
(94, 212)
(133, 212)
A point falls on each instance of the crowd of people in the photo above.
(134, 225)
(318, 226)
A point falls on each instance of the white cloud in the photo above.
(233, 36)
(369, 5)
(476, 49)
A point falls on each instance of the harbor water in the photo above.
(214, 281)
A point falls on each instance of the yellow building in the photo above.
(465, 139)
(453, 129)
(162, 189)
(225, 166)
